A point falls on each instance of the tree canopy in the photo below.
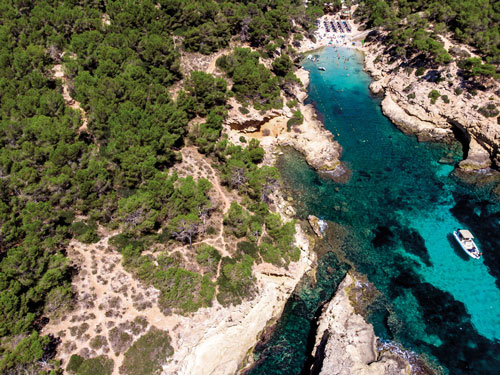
(417, 23)
(120, 59)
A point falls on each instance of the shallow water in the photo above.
(400, 207)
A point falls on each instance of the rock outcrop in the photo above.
(407, 103)
(248, 119)
(316, 143)
(220, 338)
(314, 222)
(310, 138)
(477, 157)
(347, 343)
(411, 124)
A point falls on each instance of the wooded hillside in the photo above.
(63, 175)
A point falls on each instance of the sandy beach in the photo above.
(335, 38)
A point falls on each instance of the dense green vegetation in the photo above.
(414, 25)
(147, 354)
(116, 173)
(100, 365)
(183, 291)
(252, 81)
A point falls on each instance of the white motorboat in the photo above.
(466, 241)
(322, 68)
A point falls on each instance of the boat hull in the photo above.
(473, 253)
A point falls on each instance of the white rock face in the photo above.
(477, 158)
(314, 222)
(221, 337)
(311, 139)
(408, 105)
(351, 346)
(411, 124)
(224, 346)
(251, 121)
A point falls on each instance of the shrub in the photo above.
(297, 119)
(420, 71)
(236, 281)
(243, 139)
(249, 248)
(434, 95)
(271, 254)
(244, 110)
(100, 365)
(98, 342)
(183, 291)
(445, 99)
(86, 233)
(208, 257)
(458, 91)
(74, 363)
(282, 65)
(253, 81)
(411, 95)
(119, 340)
(236, 221)
(147, 354)
(489, 110)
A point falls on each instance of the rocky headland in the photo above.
(271, 127)
(454, 113)
(346, 344)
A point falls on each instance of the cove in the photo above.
(399, 209)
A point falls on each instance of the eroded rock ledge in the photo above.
(311, 139)
(346, 344)
(406, 102)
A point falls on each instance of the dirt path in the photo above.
(195, 164)
(70, 102)
(448, 43)
(212, 66)
(107, 296)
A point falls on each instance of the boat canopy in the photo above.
(466, 235)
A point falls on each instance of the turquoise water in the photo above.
(399, 208)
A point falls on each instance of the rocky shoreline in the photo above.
(345, 341)
(346, 344)
(223, 341)
(311, 139)
(408, 105)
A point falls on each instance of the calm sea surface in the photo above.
(399, 209)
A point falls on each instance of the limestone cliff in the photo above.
(407, 103)
(347, 344)
(311, 139)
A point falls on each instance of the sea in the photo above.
(396, 214)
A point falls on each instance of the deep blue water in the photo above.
(399, 208)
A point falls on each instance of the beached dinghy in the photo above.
(466, 241)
